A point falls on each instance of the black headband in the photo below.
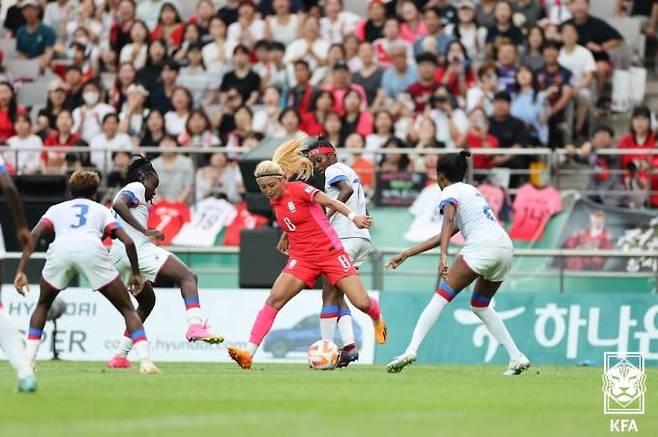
(269, 174)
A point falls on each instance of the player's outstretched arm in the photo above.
(16, 208)
(136, 281)
(447, 231)
(20, 280)
(122, 207)
(361, 221)
(426, 245)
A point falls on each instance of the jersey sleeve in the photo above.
(48, 218)
(135, 192)
(302, 191)
(333, 175)
(449, 196)
(110, 223)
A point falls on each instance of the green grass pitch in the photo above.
(84, 399)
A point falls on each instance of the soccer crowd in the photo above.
(451, 74)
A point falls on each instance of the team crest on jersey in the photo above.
(309, 189)
(291, 206)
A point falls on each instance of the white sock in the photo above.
(252, 348)
(32, 348)
(194, 315)
(346, 330)
(125, 346)
(427, 319)
(495, 325)
(10, 341)
(328, 328)
(142, 349)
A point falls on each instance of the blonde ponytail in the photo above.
(288, 161)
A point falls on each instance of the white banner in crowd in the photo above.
(91, 328)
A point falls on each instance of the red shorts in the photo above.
(335, 266)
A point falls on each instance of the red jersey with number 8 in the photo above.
(309, 233)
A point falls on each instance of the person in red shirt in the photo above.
(639, 137)
(120, 30)
(421, 90)
(301, 95)
(170, 26)
(313, 121)
(9, 109)
(478, 137)
(341, 84)
(456, 73)
(313, 247)
(62, 136)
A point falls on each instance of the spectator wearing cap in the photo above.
(9, 110)
(391, 38)
(504, 30)
(120, 30)
(160, 98)
(299, 96)
(531, 11)
(55, 103)
(337, 23)
(109, 138)
(309, 47)
(400, 74)
(248, 28)
(555, 80)
(467, 31)
(596, 35)
(203, 85)
(510, 133)
(421, 90)
(149, 10)
(134, 112)
(507, 56)
(136, 50)
(170, 27)
(413, 24)
(283, 26)
(241, 77)
(437, 39)
(87, 119)
(372, 28)
(339, 86)
(35, 40)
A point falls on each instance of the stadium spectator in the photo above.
(133, 112)
(369, 76)
(56, 15)
(118, 177)
(334, 130)
(351, 44)
(504, 30)
(229, 11)
(284, 26)
(394, 162)
(530, 106)
(400, 75)
(556, 81)
(87, 118)
(175, 120)
(355, 119)
(54, 162)
(149, 10)
(35, 40)
(390, 39)
(507, 56)
(73, 82)
(160, 98)
(413, 25)
(313, 121)
(372, 28)
(290, 123)
(423, 136)
(336, 24)
(55, 102)
(310, 46)
(248, 28)
(201, 83)
(456, 72)
(300, 96)
(243, 131)
(242, 77)
(580, 62)
(87, 19)
(170, 27)
(136, 50)
(383, 129)
(478, 137)
(110, 138)
(451, 121)
(218, 53)
(482, 94)
(510, 133)
(437, 39)
(176, 172)
(362, 166)
(266, 119)
(125, 77)
(421, 90)
(485, 13)
(26, 161)
(340, 85)
(640, 136)
(225, 118)
(191, 38)
(198, 133)
(532, 55)
(598, 36)
(154, 129)
(221, 179)
(204, 12)
(531, 10)
(123, 22)
(14, 19)
(275, 72)
(466, 30)
(9, 109)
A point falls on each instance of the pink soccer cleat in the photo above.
(119, 363)
(201, 331)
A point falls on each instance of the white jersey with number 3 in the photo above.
(136, 194)
(79, 222)
(344, 227)
(474, 217)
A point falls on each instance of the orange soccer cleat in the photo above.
(240, 356)
(381, 333)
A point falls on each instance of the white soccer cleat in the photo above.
(400, 362)
(147, 367)
(517, 366)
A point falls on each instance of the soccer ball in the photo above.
(322, 355)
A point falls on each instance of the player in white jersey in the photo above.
(486, 259)
(342, 183)
(79, 226)
(10, 337)
(131, 207)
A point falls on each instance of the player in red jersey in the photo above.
(314, 246)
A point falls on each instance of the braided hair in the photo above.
(139, 169)
(454, 165)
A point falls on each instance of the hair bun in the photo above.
(465, 153)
